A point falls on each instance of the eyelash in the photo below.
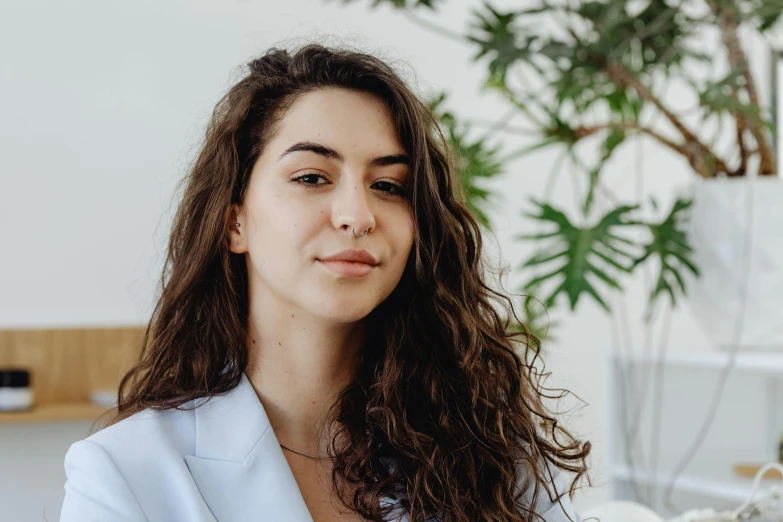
(400, 189)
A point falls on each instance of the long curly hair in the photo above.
(447, 411)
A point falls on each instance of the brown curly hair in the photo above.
(441, 390)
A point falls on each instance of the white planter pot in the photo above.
(739, 298)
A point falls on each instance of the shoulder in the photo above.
(146, 438)
(148, 430)
(110, 470)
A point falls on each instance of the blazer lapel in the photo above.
(238, 466)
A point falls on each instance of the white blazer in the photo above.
(218, 463)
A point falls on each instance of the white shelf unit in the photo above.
(718, 482)
(763, 363)
(735, 491)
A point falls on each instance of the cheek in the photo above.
(285, 211)
(404, 236)
(409, 227)
(286, 227)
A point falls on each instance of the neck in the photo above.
(298, 366)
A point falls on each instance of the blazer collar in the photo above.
(238, 466)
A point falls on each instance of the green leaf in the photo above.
(624, 103)
(764, 14)
(613, 139)
(568, 254)
(718, 98)
(501, 40)
(669, 245)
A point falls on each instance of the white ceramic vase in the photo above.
(736, 229)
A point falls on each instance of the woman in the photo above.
(324, 347)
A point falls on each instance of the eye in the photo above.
(394, 189)
(390, 188)
(311, 175)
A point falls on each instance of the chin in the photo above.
(341, 316)
(343, 312)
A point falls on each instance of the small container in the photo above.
(15, 391)
(104, 398)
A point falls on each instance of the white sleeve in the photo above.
(557, 510)
(560, 510)
(95, 490)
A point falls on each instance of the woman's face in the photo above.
(352, 170)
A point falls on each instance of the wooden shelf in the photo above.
(67, 366)
(53, 413)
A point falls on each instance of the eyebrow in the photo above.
(327, 152)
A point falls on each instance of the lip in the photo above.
(350, 263)
(352, 256)
(348, 268)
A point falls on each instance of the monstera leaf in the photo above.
(577, 253)
(669, 245)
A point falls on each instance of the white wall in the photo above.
(101, 106)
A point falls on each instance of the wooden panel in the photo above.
(53, 413)
(750, 471)
(67, 364)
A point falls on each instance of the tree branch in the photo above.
(583, 132)
(738, 61)
(586, 131)
(701, 158)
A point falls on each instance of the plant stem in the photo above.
(701, 158)
(738, 60)
(583, 132)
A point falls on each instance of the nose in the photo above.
(353, 208)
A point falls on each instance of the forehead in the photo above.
(346, 119)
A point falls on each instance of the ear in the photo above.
(237, 235)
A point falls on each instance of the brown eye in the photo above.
(393, 189)
(390, 188)
(311, 176)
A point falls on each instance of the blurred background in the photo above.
(622, 156)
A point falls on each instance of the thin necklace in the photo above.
(305, 454)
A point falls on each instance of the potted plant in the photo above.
(556, 64)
